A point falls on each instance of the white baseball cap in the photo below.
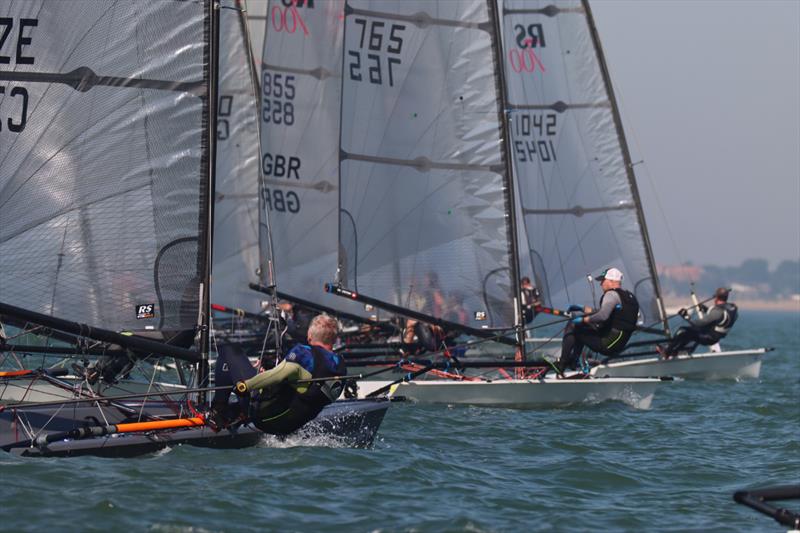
(613, 274)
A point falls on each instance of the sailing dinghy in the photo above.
(579, 209)
(106, 213)
(427, 225)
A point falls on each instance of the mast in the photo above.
(266, 267)
(205, 283)
(510, 200)
(628, 164)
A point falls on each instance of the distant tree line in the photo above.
(752, 278)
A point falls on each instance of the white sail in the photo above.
(237, 246)
(579, 210)
(103, 175)
(424, 198)
(300, 90)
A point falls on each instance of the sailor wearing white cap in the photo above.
(606, 330)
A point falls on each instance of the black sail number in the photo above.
(278, 91)
(378, 53)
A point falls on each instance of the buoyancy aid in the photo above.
(624, 317)
(729, 315)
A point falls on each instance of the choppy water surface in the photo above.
(596, 467)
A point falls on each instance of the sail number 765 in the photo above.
(370, 63)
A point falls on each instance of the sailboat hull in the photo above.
(742, 364)
(524, 394)
(351, 423)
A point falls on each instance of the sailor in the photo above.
(282, 399)
(708, 330)
(530, 299)
(605, 330)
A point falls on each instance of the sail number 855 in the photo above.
(376, 66)
(277, 98)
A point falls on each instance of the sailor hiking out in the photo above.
(605, 330)
(708, 330)
(282, 399)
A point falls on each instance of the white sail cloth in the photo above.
(579, 210)
(424, 196)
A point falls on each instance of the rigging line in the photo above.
(633, 133)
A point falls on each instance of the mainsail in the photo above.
(579, 209)
(300, 93)
(424, 192)
(104, 168)
(240, 228)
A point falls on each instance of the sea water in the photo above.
(604, 467)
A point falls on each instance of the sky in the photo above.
(709, 92)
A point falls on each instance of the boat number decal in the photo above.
(145, 311)
(533, 135)
(16, 36)
(277, 98)
(375, 35)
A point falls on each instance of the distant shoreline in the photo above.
(675, 303)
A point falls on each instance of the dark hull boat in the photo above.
(351, 423)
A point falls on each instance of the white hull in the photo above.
(742, 364)
(523, 393)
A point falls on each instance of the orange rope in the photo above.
(162, 424)
(15, 373)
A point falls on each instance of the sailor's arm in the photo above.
(610, 301)
(711, 318)
(285, 370)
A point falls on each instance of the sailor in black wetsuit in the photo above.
(606, 330)
(279, 404)
(707, 330)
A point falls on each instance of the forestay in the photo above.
(300, 88)
(580, 210)
(103, 160)
(424, 196)
(240, 227)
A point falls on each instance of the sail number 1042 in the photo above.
(533, 135)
